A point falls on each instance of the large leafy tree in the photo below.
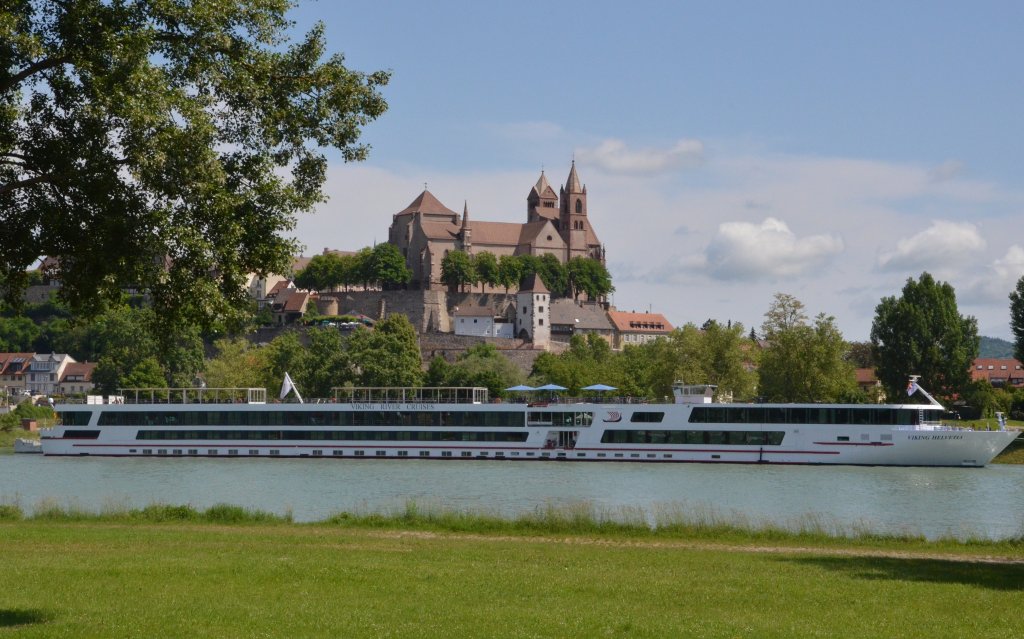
(485, 265)
(481, 365)
(323, 273)
(237, 364)
(727, 359)
(457, 270)
(1017, 319)
(922, 333)
(510, 271)
(554, 274)
(387, 266)
(165, 145)
(587, 275)
(389, 355)
(803, 362)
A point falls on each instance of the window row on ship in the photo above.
(334, 435)
(698, 415)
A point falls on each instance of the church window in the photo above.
(540, 309)
(549, 238)
(579, 206)
(540, 322)
(549, 205)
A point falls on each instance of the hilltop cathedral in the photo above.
(426, 230)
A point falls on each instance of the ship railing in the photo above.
(933, 426)
(598, 399)
(183, 396)
(410, 395)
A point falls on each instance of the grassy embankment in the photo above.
(172, 571)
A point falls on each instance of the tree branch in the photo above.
(39, 179)
(35, 67)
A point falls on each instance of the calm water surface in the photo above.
(986, 502)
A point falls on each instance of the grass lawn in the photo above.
(111, 578)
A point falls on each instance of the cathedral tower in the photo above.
(542, 203)
(573, 224)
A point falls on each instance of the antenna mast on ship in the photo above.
(913, 387)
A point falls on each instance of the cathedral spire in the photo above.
(572, 184)
(465, 214)
(542, 184)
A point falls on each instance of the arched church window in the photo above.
(579, 206)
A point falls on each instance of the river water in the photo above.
(983, 502)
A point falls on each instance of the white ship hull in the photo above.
(570, 432)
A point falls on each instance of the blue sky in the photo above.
(731, 150)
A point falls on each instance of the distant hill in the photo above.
(995, 347)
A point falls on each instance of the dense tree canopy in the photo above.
(589, 276)
(165, 145)
(485, 265)
(386, 266)
(389, 355)
(922, 333)
(481, 365)
(803, 362)
(1017, 319)
(510, 271)
(457, 270)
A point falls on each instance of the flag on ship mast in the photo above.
(911, 388)
(289, 386)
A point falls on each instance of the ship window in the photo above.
(147, 452)
(647, 417)
(843, 438)
(718, 437)
(253, 451)
(424, 453)
(75, 417)
(232, 451)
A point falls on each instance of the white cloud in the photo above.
(946, 171)
(667, 245)
(999, 278)
(745, 251)
(614, 156)
(940, 246)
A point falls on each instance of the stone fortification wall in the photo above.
(379, 304)
(450, 347)
(428, 311)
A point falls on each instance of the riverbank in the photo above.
(175, 571)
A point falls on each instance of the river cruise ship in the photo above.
(461, 423)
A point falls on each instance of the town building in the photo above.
(77, 378)
(481, 321)
(427, 230)
(533, 312)
(999, 372)
(14, 372)
(45, 371)
(569, 317)
(637, 328)
(287, 304)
